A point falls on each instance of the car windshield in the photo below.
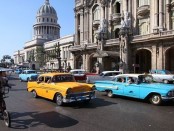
(63, 78)
(145, 79)
(167, 72)
(30, 72)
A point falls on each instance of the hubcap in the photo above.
(156, 99)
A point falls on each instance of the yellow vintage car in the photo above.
(60, 87)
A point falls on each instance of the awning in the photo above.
(101, 54)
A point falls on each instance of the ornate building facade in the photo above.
(128, 35)
(43, 45)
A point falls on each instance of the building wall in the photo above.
(150, 34)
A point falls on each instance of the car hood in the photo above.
(75, 86)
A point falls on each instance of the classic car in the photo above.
(79, 74)
(164, 76)
(18, 71)
(27, 74)
(61, 87)
(105, 75)
(137, 86)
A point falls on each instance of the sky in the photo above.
(17, 18)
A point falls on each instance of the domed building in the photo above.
(46, 34)
(46, 26)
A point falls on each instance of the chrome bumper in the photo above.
(167, 98)
(79, 97)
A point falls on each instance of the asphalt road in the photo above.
(101, 114)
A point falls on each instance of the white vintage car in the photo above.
(164, 76)
(105, 75)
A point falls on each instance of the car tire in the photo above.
(34, 93)
(166, 81)
(110, 94)
(155, 99)
(59, 99)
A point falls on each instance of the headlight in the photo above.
(69, 91)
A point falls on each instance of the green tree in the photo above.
(40, 56)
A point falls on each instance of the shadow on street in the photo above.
(33, 119)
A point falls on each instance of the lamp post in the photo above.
(57, 50)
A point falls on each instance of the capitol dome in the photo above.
(46, 26)
(46, 9)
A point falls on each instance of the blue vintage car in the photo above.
(137, 86)
(27, 74)
(18, 71)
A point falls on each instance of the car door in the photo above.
(48, 90)
(131, 88)
(41, 86)
(118, 86)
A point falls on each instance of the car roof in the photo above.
(77, 70)
(111, 72)
(131, 75)
(29, 70)
(54, 73)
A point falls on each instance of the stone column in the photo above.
(156, 14)
(161, 13)
(168, 10)
(86, 24)
(160, 60)
(81, 26)
(76, 29)
(154, 58)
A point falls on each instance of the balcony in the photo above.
(96, 24)
(162, 35)
(143, 10)
(116, 18)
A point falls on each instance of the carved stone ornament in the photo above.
(90, 2)
(103, 2)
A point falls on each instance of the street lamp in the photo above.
(57, 50)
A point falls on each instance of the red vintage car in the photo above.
(80, 74)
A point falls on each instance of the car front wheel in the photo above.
(156, 99)
(166, 81)
(59, 100)
(34, 94)
(110, 94)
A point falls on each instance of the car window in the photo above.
(160, 72)
(31, 72)
(63, 78)
(167, 72)
(41, 79)
(47, 79)
(131, 80)
(121, 79)
(145, 79)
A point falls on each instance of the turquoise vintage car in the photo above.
(137, 86)
(27, 74)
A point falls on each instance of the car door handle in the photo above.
(130, 91)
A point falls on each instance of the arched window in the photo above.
(115, 7)
(96, 13)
